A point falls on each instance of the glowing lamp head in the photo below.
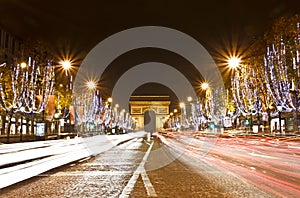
(204, 86)
(234, 62)
(66, 64)
(181, 105)
(91, 85)
(23, 65)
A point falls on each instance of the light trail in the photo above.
(271, 165)
(27, 160)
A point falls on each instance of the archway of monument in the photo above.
(157, 89)
(139, 110)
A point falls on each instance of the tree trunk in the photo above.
(32, 125)
(3, 124)
(21, 129)
(295, 116)
(8, 128)
(269, 121)
(258, 123)
(251, 122)
(27, 126)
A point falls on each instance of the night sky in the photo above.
(84, 23)
(75, 27)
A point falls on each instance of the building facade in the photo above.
(9, 46)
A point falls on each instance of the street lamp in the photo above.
(22, 109)
(109, 101)
(66, 65)
(205, 87)
(175, 118)
(189, 110)
(182, 109)
(233, 63)
(64, 95)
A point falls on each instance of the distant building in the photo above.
(9, 46)
(149, 112)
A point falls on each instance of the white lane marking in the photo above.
(150, 189)
(140, 170)
(84, 159)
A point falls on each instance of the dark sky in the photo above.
(84, 23)
(80, 25)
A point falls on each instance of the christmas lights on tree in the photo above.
(25, 88)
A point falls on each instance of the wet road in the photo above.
(184, 175)
(269, 163)
(130, 170)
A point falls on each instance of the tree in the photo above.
(88, 109)
(270, 71)
(282, 64)
(25, 88)
(264, 99)
(244, 89)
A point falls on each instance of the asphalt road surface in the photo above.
(140, 168)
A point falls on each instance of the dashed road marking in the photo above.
(140, 171)
(149, 187)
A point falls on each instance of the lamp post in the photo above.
(182, 115)
(205, 87)
(93, 104)
(294, 91)
(189, 113)
(64, 97)
(233, 63)
(172, 120)
(110, 100)
(116, 117)
(175, 119)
